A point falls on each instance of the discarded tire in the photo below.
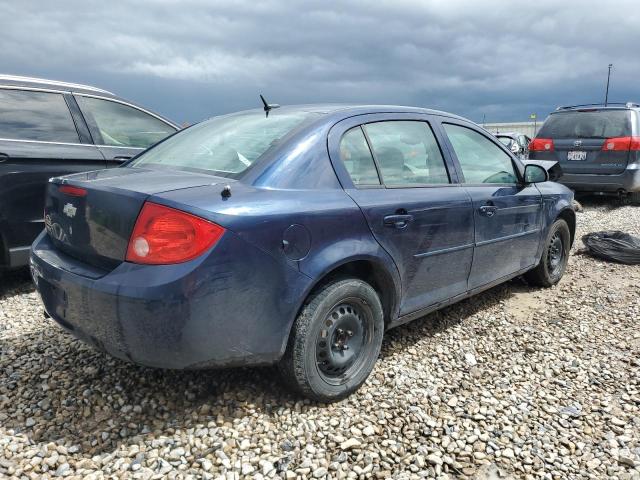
(613, 245)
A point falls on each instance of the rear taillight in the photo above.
(541, 145)
(73, 191)
(164, 235)
(621, 144)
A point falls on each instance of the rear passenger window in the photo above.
(39, 116)
(406, 153)
(481, 160)
(357, 158)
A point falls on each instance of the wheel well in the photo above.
(569, 216)
(374, 275)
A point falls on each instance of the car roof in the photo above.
(41, 83)
(348, 110)
(596, 107)
(16, 81)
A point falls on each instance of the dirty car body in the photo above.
(304, 210)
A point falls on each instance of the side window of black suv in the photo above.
(35, 116)
(115, 124)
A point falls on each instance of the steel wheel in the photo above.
(556, 253)
(343, 340)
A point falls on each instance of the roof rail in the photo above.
(626, 104)
(17, 78)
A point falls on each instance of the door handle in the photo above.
(3, 157)
(488, 210)
(122, 158)
(398, 220)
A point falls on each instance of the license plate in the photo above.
(576, 155)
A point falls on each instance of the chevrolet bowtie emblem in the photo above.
(69, 210)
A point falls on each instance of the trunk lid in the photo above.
(580, 140)
(95, 226)
(597, 161)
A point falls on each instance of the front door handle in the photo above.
(3, 157)
(488, 210)
(122, 158)
(398, 220)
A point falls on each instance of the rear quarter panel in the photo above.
(331, 230)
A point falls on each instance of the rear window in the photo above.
(595, 124)
(225, 146)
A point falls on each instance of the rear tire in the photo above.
(335, 341)
(554, 256)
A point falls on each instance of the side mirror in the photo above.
(535, 174)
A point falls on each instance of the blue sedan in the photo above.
(294, 236)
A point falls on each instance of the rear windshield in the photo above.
(596, 124)
(224, 146)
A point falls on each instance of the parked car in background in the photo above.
(294, 238)
(518, 143)
(597, 146)
(50, 128)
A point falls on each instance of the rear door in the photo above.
(39, 139)
(394, 169)
(507, 214)
(589, 141)
(120, 130)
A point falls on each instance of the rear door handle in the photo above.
(398, 220)
(122, 158)
(488, 210)
(3, 157)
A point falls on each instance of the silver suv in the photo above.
(597, 146)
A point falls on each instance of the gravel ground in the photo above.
(513, 383)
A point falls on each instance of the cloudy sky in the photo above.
(191, 59)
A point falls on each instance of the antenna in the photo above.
(268, 106)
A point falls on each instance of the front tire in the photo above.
(335, 341)
(633, 198)
(554, 256)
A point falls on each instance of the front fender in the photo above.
(557, 200)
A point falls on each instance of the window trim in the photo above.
(385, 185)
(375, 164)
(461, 178)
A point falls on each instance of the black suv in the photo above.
(50, 128)
(598, 147)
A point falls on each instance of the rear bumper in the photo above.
(210, 312)
(628, 181)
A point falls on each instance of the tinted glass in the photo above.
(595, 124)
(42, 116)
(119, 125)
(357, 158)
(407, 153)
(226, 145)
(481, 160)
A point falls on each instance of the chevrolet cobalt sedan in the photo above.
(294, 236)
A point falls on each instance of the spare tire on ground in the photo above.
(613, 245)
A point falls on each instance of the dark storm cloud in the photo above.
(193, 59)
